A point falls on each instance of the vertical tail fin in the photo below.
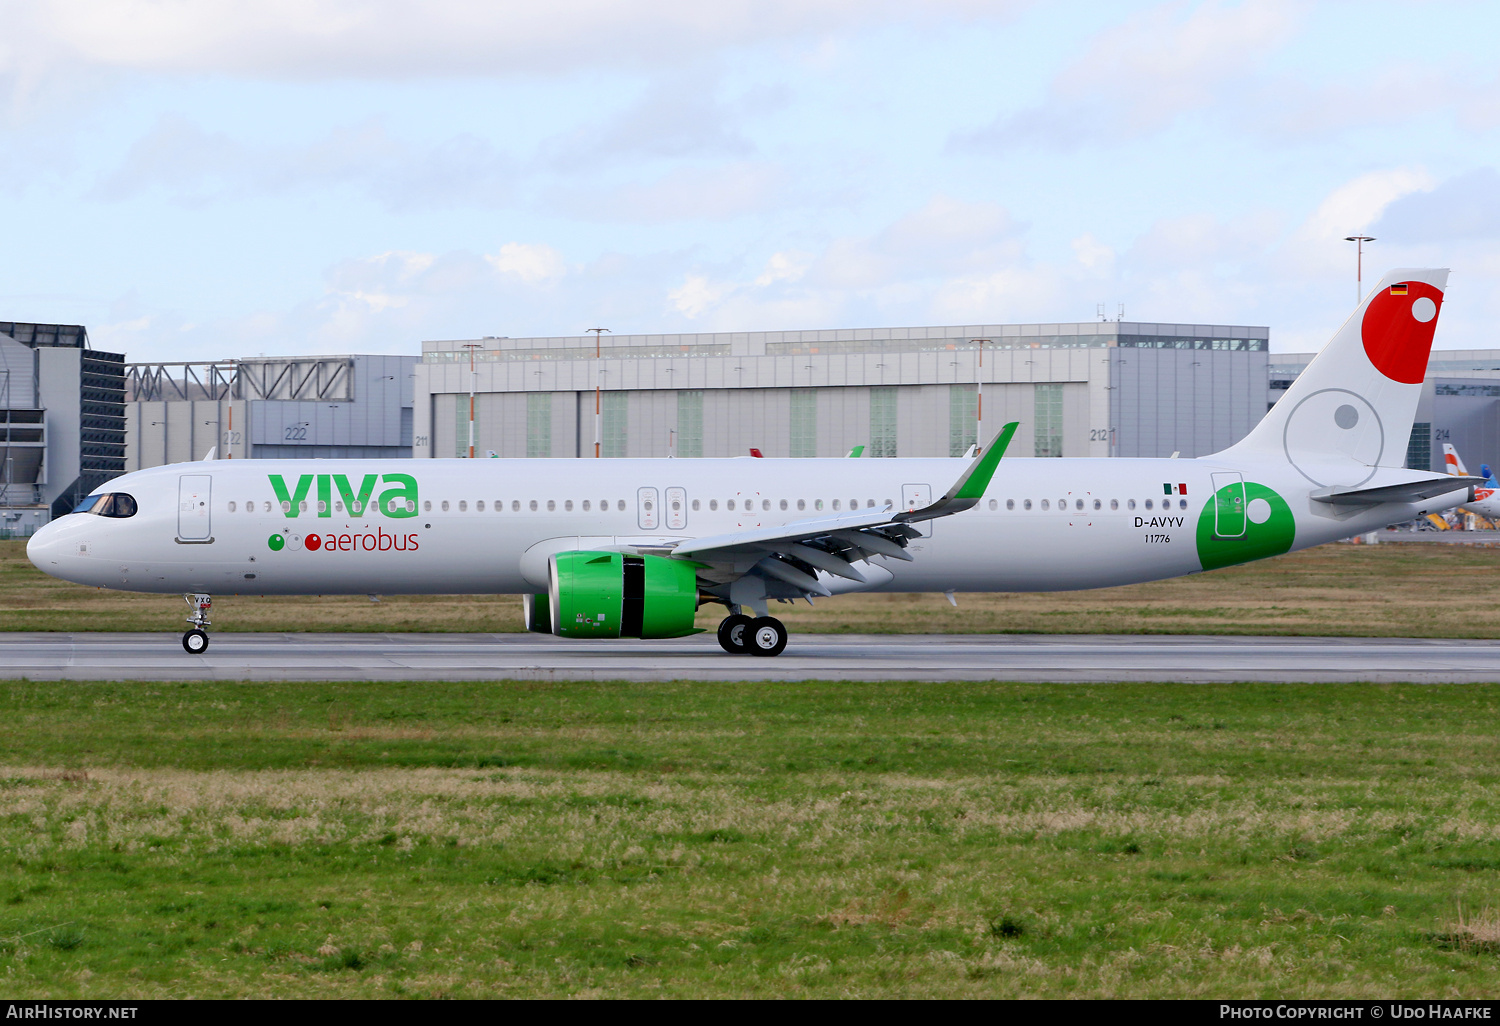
(1351, 410)
(1451, 461)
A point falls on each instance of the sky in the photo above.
(228, 178)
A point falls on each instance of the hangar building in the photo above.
(1108, 388)
(329, 407)
(62, 421)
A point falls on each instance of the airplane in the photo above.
(1486, 499)
(631, 548)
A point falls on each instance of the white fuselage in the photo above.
(476, 526)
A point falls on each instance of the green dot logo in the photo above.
(277, 542)
(1244, 522)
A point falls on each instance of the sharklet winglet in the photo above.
(970, 487)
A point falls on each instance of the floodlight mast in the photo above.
(598, 371)
(1359, 264)
(473, 377)
(979, 398)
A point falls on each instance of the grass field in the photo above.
(467, 840)
(1391, 590)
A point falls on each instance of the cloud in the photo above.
(1350, 209)
(679, 115)
(196, 166)
(1466, 206)
(531, 263)
(395, 39)
(1138, 77)
(898, 269)
(684, 194)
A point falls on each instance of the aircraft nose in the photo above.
(43, 547)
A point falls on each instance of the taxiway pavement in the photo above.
(1062, 658)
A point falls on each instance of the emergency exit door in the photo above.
(194, 508)
(915, 497)
(1229, 505)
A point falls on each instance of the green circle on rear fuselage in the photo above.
(1271, 537)
(277, 542)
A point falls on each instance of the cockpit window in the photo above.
(113, 504)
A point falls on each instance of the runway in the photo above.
(1060, 658)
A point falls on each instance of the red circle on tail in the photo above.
(1396, 339)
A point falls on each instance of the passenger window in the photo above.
(586, 505)
(1078, 504)
(695, 505)
(1026, 504)
(765, 504)
(835, 505)
(994, 505)
(1046, 504)
(533, 505)
(801, 503)
(286, 505)
(568, 506)
(783, 504)
(1062, 504)
(463, 505)
(551, 505)
(622, 505)
(1114, 503)
(1148, 503)
(713, 504)
(890, 504)
(445, 506)
(1010, 504)
(1182, 504)
(817, 504)
(268, 507)
(515, 505)
(1098, 504)
(1130, 504)
(427, 505)
(232, 506)
(478, 506)
(729, 504)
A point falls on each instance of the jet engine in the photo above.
(612, 595)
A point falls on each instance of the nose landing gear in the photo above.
(195, 641)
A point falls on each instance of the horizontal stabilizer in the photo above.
(1408, 491)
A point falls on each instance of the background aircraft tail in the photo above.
(1451, 460)
(1352, 409)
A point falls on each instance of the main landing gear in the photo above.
(195, 641)
(761, 636)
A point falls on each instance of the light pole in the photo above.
(1359, 263)
(979, 398)
(598, 334)
(473, 379)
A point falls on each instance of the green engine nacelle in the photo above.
(610, 595)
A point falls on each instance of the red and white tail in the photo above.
(1451, 462)
(1352, 409)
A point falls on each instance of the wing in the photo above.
(785, 559)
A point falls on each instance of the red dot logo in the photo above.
(313, 542)
(1398, 327)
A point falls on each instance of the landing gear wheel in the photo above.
(766, 635)
(734, 633)
(195, 642)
